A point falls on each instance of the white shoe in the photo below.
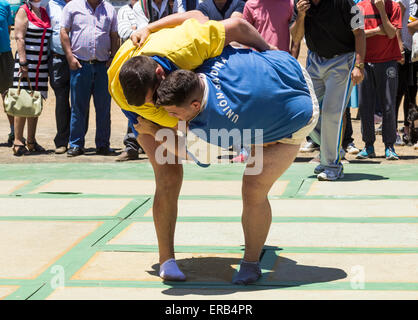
(352, 149)
(416, 146)
(331, 174)
(399, 141)
(309, 147)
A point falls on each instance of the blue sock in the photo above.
(249, 272)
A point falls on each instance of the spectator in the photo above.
(32, 33)
(271, 19)
(405, 76)
(222, 9)
(147, 11)
(127, 23)
(381, 74)
(59, 77)
(335, 64)
(89, 51)
(187, 5)
(348, 141)
(6, 59)
(412, 28)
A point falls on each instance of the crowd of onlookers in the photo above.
(71, 43)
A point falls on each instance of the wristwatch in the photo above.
(24, 64)
(359, 65)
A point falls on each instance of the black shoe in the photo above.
(105, 151)
(75, 151)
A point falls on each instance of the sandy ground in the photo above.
(46, 132)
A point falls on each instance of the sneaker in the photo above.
(318, 169)
(366, 153)
(309, 146)
(61, 150)
(391, 154)
(352, 149)
(331, 174)
(399, 141)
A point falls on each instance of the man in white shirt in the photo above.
(147, 11)
(127, 22)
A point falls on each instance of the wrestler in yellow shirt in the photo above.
(187, 46)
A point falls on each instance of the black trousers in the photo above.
(59, 78)
(380, 85)
(407, 85)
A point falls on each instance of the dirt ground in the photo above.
(47, 129)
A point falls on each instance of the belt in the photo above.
(92, 61)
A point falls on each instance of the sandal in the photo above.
(35, 147)
(19, 150)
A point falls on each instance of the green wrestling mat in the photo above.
(85, 231)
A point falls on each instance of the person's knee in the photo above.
(254, 192)
(168, 179)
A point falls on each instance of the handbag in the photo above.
(414, 53)
(22, 102)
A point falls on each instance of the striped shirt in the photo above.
(126, 20)
(36, 47)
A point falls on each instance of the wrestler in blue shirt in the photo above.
(243, 89)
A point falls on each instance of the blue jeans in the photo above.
(90, 80)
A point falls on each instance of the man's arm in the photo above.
(387, 26)
(176, 147)
(241, 31)
(413, 27)
(375, 31)
(297, 30)
(357, 74)
(400, 43)
(295, 49)
(74, 64)
(138, 37)
(114, 46)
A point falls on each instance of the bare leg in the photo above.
(256, 215)
(168, 179)
(19, 126)
(32, 123)
(11, 121)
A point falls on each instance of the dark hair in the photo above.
(178, 88)
(136, 77)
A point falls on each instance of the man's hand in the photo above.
(402, 61)
(357, 76)
(303, 6)
(74, 64)
(138, 37)
(109, 62)
(145, 126)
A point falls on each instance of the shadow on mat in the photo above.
(357, 177)
(213, 275)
